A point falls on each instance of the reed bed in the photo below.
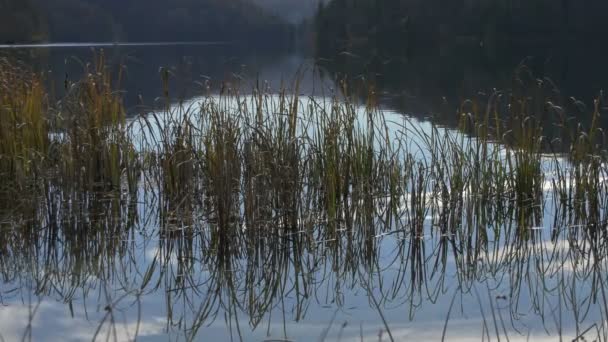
(280, 163)
(272, 193)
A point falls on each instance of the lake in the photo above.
(267, 197)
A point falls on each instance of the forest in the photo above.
(26, 21)
(397, 27)
(294, 11)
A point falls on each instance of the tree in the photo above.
(20, 22)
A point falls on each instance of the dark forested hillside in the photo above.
(292, 10)
(435, 53)
(77, 21)
(20, 20)
(192, 20)
(140, 20)
(393, 26)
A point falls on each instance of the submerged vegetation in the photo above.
(254, 196)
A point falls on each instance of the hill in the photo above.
(390, 27)
(293, 11)
(20, 21)
(141, 20)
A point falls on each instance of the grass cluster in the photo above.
(271, 189)
(279, 161)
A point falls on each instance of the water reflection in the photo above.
(120, 269)
(433, 84)
(427, 84)
(253, 247)
(190, 66)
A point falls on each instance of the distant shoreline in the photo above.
(109, 44)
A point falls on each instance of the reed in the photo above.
(24, 129)
(271, 190)
(280, 158)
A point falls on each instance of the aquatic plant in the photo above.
(258, 195)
